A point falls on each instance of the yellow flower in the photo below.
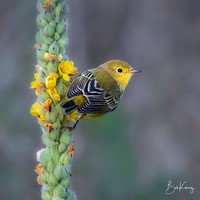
(36, 84)
(66, 68)
(49, 127)
(50, 81)
(36, 46)
(53, 93)
(72, 116)
(50, 57)
(42, 117)
(35, 81)
(36, 109)
(39, 180)
(70, 150)
(47, 105)
(39, 169)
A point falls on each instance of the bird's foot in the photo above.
(71, 128)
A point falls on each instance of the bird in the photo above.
(98, 91)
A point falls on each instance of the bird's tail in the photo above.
(69, 106)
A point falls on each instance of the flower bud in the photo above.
(53, 23)
(44, 176)
(52, 180)
(52, 67)
(56, 36)
(60, 191)
(60, 172)
(61, 147)
(49, 16)
(61, 89)
(40, 38)
(60, 27)
(53, 135)
(62, 42)
(66, 160)
(71, 195)
(45, 47)
(55, 156)
(57, 12)
(54, 49)
(43, 96)
(46, 195)
(65, 137)
(49, 30)
(41, 22)
(48, 40)
(45, 157)
(60, 57)
(50, 166)
(46, 141)
(52, 116)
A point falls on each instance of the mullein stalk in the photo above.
(52, 78)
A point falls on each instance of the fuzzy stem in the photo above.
(54, 160)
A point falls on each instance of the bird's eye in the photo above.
(119, 70)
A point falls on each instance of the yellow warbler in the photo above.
(98, 91)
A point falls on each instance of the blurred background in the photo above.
(154, 134)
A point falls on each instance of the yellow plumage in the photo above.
(98, 91)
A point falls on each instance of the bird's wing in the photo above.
(98, 101)
(78, 84)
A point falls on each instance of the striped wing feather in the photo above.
(98, 100)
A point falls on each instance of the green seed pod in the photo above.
(52, 67)
(52, 180)
(44, 176)
(60, 28)
(62, 42)
(49, 30)
(60, 172)
(41, 22)
(50, 167)
(56, 36)
(49, 16)
(65, 137)
(46, 195)
(61, 147)
(54, 49)
(40, 38)
(57, 12)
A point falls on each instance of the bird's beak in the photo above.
(134, 71)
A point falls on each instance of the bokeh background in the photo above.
(153, 136)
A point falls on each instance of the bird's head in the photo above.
(120, 71)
